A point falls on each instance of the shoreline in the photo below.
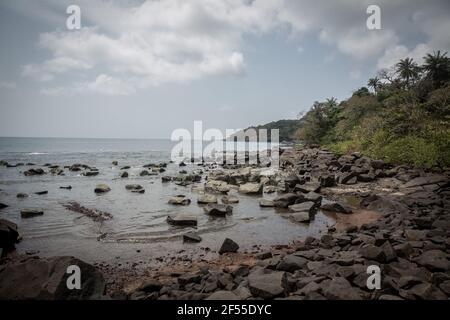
(400, 223)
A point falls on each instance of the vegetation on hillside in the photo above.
(402, 116)
(287, 129)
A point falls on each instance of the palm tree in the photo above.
(437, 66)
(374, 83)
(408, 70)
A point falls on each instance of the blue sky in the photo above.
(140, 69)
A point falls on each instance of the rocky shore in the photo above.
(396, 218)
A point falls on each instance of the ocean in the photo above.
(138, 229)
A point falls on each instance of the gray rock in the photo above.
(29, 213)
(218, 210)
(251, 188)
(230, 199)
(102, 188)
(9, 235)
(336, 207)
(228, 245)
(421, 181)
(3, 206)
(21, 195)
(223, 295)
(207, 198)
(339, 289)
(291, 263)
(124, 174)
(191, 237)
(285, 200)
(180, 200)
(267, 284)
(300, 217)
(45, 279)
(182, 219)
(435, 260)
(266, 203)
(34, 172)
(372, 252)
(132, 187)
(308, 207)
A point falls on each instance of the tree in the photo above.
(408, 71)
(437, 67)
(374, 83)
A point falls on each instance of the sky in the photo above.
(141, 69)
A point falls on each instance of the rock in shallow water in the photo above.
(180, 200)
(191, 237)
(336, 207)
(228, 246)
(218, 210)
(207, 198)
(182, 219)
(29, 213)
(102, 188)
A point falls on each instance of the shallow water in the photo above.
(138, 229)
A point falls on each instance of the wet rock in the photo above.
(9, 235)
(300, 217)
(3, 206)
(40, 193)
(144, 173)
(180, 200)
(125, 168)
(34, 172)
(191, 237)
(132, 187)
(267, 284)
(339, 289)
(21, 195)
(182, 219)
(207, 198)
(47, 281)
(223, 295)
(115, 163)
(228, 245)
(285, 200)
(102, 188)
(266, 203)
(90, 173)
(29, 213)
(435, 260)
(166, 178)
(230, 199)
(308, 207)
(66, 187)
(336, 207)
(291, 263)
(124, 174)
(140, 191)
(251, 188)
(218, 210)
(57, 171)
(314, 197)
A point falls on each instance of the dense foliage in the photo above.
(404, 118)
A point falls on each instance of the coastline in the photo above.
(399, 222)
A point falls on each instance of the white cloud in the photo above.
(157, 42)
(393, 54)
(355, 74)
